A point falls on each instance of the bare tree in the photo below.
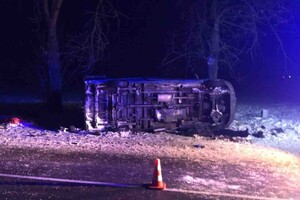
(220, 31)
(57, 66)
(48, 54)
(86, 49)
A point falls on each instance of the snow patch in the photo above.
(209, 183)
(281, 129)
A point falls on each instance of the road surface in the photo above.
(185, 179)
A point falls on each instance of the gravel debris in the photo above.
(280, 129)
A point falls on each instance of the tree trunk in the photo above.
(51, 10)
(54, 100)
(214, 46)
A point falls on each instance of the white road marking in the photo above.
(68, 180)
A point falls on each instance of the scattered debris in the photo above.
(240, 139)
(259, 134)
(280, 129)
(199, 146)
(73, 129)
(159, 130)
(232, 133)
(7, 122)
(124, 134)
(276, 131)
(63, 129)
(97, 133)
(15, 121)
(223, 137)
(264, 113)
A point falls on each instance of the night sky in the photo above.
(136, 50)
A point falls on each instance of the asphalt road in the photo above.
(131, 172)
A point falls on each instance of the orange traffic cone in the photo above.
(157, 182)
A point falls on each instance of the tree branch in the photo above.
(46, 10)
(55, 12)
